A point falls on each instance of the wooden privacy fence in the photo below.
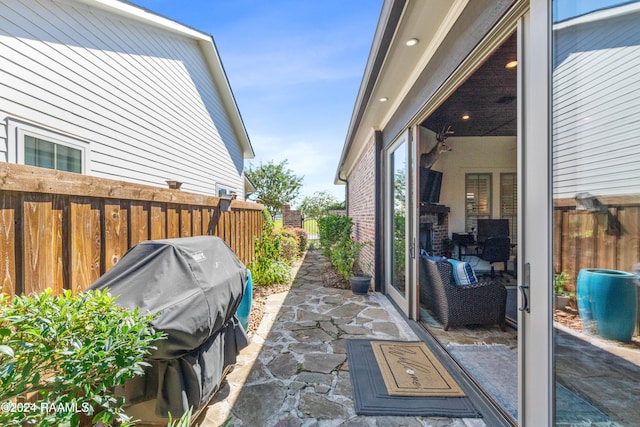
(608, 238)
(63, 231)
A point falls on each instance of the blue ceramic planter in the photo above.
(607, 302)
(244, 309)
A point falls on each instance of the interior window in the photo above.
(50, 155)
(478, 198)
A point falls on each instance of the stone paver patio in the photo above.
(295, 372)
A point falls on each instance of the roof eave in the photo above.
(386, 28)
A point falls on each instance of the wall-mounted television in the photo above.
(430, 183)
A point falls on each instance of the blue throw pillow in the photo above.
(426, 255)
(463, 273)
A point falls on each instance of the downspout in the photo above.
(346, 191)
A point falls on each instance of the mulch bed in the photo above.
(332, 279)
(569, 318)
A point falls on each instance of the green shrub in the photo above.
(333, 229)
(337, 244)
(69, 352)
(288, 248)
(268, 267)
(275, 272)
(303, 239)
(344, 255)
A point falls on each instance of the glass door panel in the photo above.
(596, 211)
(397, 229)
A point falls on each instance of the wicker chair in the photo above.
(482, 303)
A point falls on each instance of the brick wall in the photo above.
(361, 205)
(439, 229)
(291, 218)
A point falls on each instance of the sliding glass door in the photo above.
(596, 211)
(398, 228)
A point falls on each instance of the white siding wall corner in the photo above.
(3, 138)
(144, 98)
(596, 107)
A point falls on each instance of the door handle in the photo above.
(524, 288)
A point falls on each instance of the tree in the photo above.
(318, 205)
(275, 185)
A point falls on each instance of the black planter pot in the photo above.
(360, 284)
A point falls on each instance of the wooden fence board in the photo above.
(605, 241)
(42, 244)
(116, 232)
(138, 222)
(9, 203)
(158, 221)
(206, 221)
(173, 221)
(185, 221)
(84, 237)
(628, 243)
(196, 219)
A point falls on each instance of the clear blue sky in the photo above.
(564, 9)
(295, 69)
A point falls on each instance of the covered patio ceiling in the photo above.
(488, 97)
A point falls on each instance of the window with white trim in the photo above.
(478, 198)
(35, 146)
(46, 154)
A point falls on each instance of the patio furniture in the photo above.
(496, 249)
(453, 305)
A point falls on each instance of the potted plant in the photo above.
(447, 247)
(359, 279)
(560, 295)
(343, 251)
(347, 253)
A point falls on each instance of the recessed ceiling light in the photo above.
(412, 42)
(511, 64)
(383, 99)
(465, 117)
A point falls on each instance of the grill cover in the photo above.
(194, 286)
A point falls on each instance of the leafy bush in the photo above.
(274, 272)
(337, 244)
(288, 248)
(66, 353)
(333, 229)
(344, 255)
(268, 268)
(303, 239)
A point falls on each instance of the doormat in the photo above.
(370, 395)
(410, 369)
(495, 368)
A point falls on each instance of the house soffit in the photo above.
(428, 22)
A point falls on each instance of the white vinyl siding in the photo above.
(596, 108)
(144, 97)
